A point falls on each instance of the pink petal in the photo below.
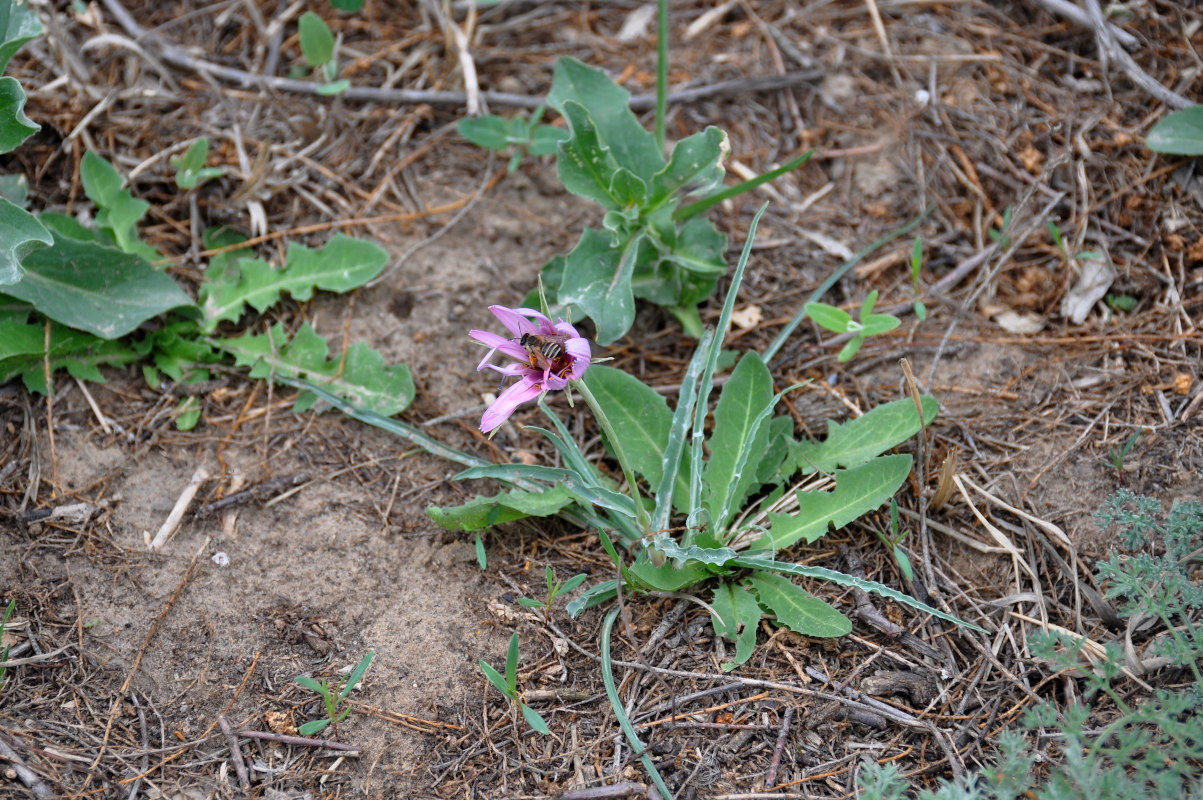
(564, 329)
(513, 319)
(505, 405)
(544, 325)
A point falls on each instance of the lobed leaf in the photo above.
(343, 264)
(361, 377)
(857, 491)
(15, 127)
(738, 616)
(798, 609)
(483, 512)
(856, 441)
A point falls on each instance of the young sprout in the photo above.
(508, 685)
(334, 696)
(837, 320)
(554, 589)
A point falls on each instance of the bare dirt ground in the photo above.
(968, 107)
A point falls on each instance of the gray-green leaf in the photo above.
(798, 609)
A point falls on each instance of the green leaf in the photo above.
(672, 489)
(20, 235)
(317, 42)
(798, 609)
(511, 664)
(117, 210)
(695, 166)
(362, 377)
(642, 415)
(738, 617)
(356, 675)
(310, 684)
(862, 438)
(743, 398)
(546, 139)
(312, 727)
(187, 413)
(481, 557)
(857, 491)
(667, 577)
(509, 506)
(833, 319)
(334, 87)
(609, 107)
(96, 289)
(850, 349)
(700, 249)
(716, 556)
(762, 563)
(490, 131)
(81, 354)
(18, 24)
(597, 277)
(593, 596)
(1180, 133)
(572, 583)
(534, 720)
(15, 127)
(584, 164)
(343, 264)
(495, 678)
(350, 6)
(877, 324)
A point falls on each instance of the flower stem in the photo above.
(645, 520)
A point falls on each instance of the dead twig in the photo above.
(329, 744)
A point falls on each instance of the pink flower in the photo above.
(546, 357)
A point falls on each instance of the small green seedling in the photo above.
(894, 542)
(1055, 232)
(916, 265)
(318, 48)
(1002, 235)
(837, 320)
(1120, 302)
(554, 589)
(525, 137)
(190, 170)
(1116, 455)
(508, 686)
(334, 696)
(8, 612)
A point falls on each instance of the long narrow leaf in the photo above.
(356, 675)
(616, 703)
(839, 578)
(678, 432)
(693, 209)
(746, 395)
(699, 420)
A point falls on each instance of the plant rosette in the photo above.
(546, 355)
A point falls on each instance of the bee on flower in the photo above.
(546, 355)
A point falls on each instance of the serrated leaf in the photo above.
(743, 398)
(343, 264)
(857, 491)
(762, 563)
(20, 235)
(317, 42)
(81, 354)
(1180, 133)
(598, 279)
(798, 609)
(644, 419)
(15, 127)
(858, 440)
(362, 377)
(667, 577)
(96, 289)
(738, 617)
(117, 210)
(510, 505)
(609, 106)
